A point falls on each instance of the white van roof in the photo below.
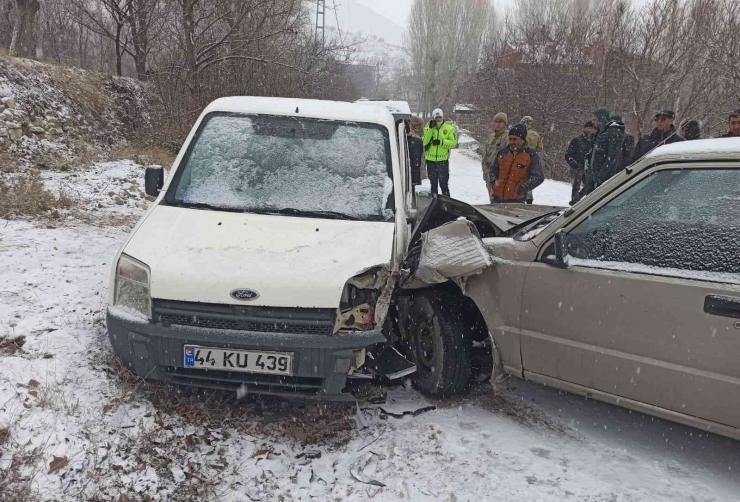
(314, 108)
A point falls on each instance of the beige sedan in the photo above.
(632, 296)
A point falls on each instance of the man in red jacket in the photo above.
(516, 170)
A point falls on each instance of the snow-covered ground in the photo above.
(73, 427)
(467, 184)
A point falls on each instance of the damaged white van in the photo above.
(268, 260)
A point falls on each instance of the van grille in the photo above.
(245, 318)
(229, 380)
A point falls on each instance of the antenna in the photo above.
(320, 13)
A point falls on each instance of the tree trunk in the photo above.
(23, 27)
(188, 24)
(119, 51)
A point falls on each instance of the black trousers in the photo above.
(439, 173)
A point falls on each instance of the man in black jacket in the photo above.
(606, 158)
(663, 134)
(576, 155)
(416, 153)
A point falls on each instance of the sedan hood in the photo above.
(202, 256)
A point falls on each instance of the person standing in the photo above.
(516, 170)
(439, 138)
(691, 130)
(416, 152)
(663, 134)
(734, 131)
(578, 151)
(534, 141)
(497, 140)
(628, 147)
(607, 150)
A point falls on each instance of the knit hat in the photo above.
(437, 113)
(527, 120)
(501, 116)
(519, 130)
(616, 117)
(735, 113)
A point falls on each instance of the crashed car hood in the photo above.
(492, 220)
(507, 216)
(202, 256)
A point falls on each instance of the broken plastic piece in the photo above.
(384, 360)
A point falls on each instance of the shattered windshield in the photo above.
(685, 219)
(290, 165)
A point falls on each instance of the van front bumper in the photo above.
(321, 362)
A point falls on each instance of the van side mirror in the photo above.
(153, 180)
(557, 253)
(412, 215)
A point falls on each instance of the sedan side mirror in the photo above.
(557, 253)
(153, 180)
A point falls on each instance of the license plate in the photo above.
(251, 361)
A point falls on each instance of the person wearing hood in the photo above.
(497, 140)
(628, 147)
(734, 120)
(663, 134)
(606, 157)
(576, 155)
(439, 138)
(691, 130)
(516, 170)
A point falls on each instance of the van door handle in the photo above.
(725, 306)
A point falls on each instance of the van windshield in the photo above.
(288, 165)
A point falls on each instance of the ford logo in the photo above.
(244, 295)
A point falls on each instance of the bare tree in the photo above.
(24, 21)
(444, 42)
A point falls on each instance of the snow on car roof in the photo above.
(395, 107)
(316, 108)
(725, 148)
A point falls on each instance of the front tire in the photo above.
(439, 344)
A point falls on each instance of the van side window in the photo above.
(680, 220)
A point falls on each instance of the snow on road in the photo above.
(71, 430)
(467, 184)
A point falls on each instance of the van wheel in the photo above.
(439, 345)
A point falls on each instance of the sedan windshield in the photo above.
(288, 165)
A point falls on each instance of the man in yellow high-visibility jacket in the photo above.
(439, 138)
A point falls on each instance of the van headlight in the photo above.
(132, 286)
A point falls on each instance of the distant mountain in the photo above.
(356, 18)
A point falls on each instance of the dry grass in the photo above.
(8, 163)
(86, 90)
(11, 345)
(304, 422)
(25, 195)
(145, 154)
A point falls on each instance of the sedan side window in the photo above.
(672, 221)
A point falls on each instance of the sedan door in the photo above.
(647, 309)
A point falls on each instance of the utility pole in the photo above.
(320, 24)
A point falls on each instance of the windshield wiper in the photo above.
(193, 205)
(310, 214)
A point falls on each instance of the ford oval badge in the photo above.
(244, 295)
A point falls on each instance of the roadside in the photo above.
(467, 185)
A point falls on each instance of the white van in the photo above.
(269, 258)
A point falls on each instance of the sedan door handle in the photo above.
(725, 306)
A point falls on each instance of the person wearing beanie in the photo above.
(578, 151)
(516, 170)
(497, 140)
(734, 131)
(663, 134)
(439, 138)
(534, 141)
